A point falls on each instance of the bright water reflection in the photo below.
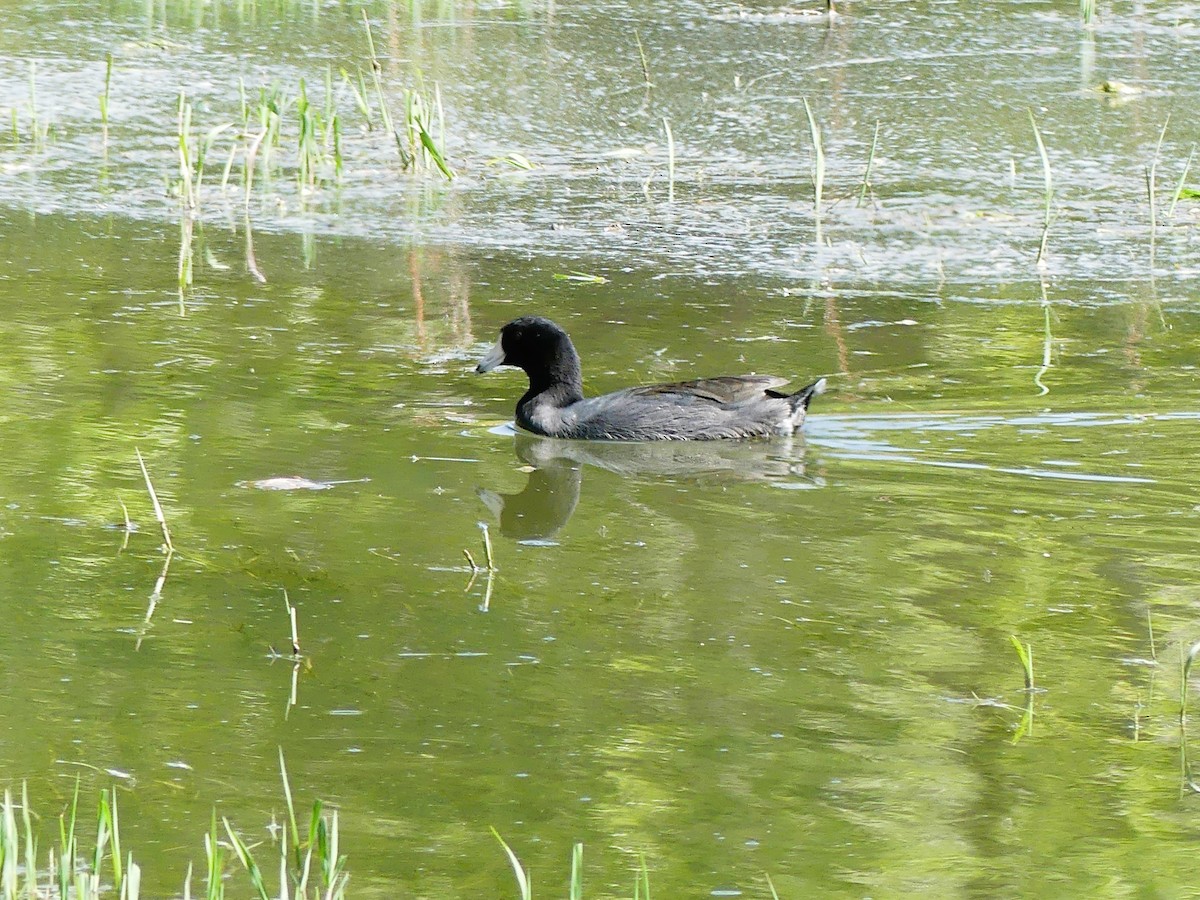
(733, 658)
(955, 193)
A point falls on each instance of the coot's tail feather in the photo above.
(802, 397)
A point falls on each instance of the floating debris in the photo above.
(296, 483)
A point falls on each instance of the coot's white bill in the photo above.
(494, 358)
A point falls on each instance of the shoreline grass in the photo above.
(311, 864)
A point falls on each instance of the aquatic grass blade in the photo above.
(103, 831)
(215, 858)
(818, 172)
(9, 842)
(132, 886)
(522, 876)
(1025, 654)
(104, 97)
(866, 182)
(434, 153)
(247, 860)
(187, 186)
(645, 65)
(1049, 185)
(642, 890)
(30, 842)
(1047, 345)
(1152, 178)
(1181, 186)
(670, 160)
(384, 113)
(287, 795)
(115, 830)
(283, 866)
(576, 890)
(67, 841)
(1185, 667)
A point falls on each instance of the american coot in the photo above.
(730, 406)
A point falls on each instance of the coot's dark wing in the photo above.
(723, 389)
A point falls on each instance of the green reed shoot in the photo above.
(818, 172)
(641, 883)
(307, 153)
(287, 796)
(771, 885)
(420, 113)
(866, 182)
(67, 843)
(1087, 11)
(330, 103)
(1180, 186)
(384, 113)
(39, 131)
(358, 89)
(1049, 184)
(337, 147)
(1047, 343)
(441, 114)
(158, 510)
(332, 142)
(228, 169)
(1185, 673)
(109, 813)
(322, 839)
(1025, 654)
(522, 876)
(215, 858)
(104, 96)
(132, 887)
(205, 148)
(670, 161)
(1152, 178)
(576, 891)
(63, 869)
(642, 56)
(187, 185)
(247, 860)
(33, 116)
(9, 849)
(251, 162)
(417, 146)
(271, 106)
(183, 282)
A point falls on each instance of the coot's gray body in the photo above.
(730, 406)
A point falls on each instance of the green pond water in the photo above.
(730, 660)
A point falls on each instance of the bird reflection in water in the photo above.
(556, 466)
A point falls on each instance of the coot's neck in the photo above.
(559, 378)
(554, 383)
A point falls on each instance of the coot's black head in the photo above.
(534, 344)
